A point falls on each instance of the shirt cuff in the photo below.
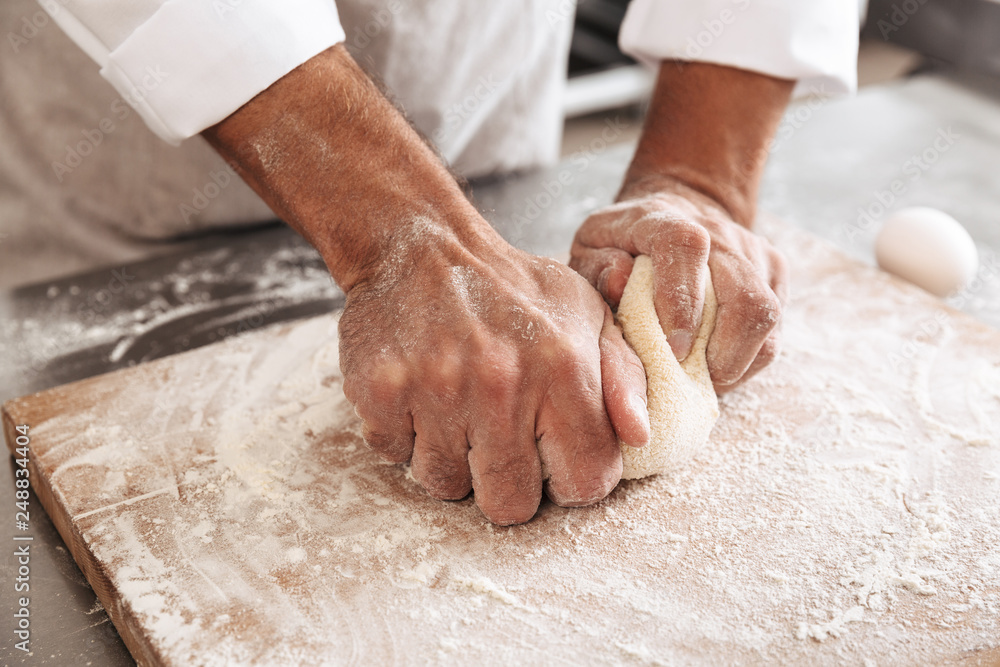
(814, 42)
(194, 62)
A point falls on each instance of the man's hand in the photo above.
(483, 367)
(688, 201)
(487, 368)
(686, 234)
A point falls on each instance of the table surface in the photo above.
(832, 159)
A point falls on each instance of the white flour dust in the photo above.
(844, 512)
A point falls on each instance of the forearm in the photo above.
(335, 160)
(709, 127)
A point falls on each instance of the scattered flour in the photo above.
(827, 522)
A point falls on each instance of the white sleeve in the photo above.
(185, 65)
(812, 41)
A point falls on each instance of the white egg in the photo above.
(929, 248)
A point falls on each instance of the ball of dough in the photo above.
(681, 400)
(929, 248)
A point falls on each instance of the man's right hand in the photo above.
(483, 366)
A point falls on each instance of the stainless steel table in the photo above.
(832, 164)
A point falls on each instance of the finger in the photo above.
(773, 265)
(614, 227)
(440, 460)
(748, 311)
(623, 380)
(390, 438)
(378, 397)
(680, 273)
(768, 352)
(505, 468)
(607, 269)
(576, 442)
(780, 275)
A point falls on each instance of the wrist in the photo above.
(336, 161)
(414, 240)
(690, 186)
(709, 127)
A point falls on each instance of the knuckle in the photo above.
(511, 473)
(677, 303)
(576, 377)
(761, 311)
(391, 448)
(690, 236)
(513, 497)
(558, 351)
(442, 474)
(768, 352)
(587, 469)
(498, 374)
(376, 387)
(443, 375)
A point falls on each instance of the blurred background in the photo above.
(895, 43)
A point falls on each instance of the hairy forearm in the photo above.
(709, 127)
(336, 161)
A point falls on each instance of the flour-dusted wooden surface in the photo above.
(846, 511)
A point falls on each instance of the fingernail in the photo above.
(602, 281)
(640, 408)
(680, 342)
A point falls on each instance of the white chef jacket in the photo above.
(191, 63)
(83, 182)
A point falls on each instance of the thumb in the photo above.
(623, 380)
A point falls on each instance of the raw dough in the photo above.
(682, 403)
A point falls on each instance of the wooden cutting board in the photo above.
(847, 510)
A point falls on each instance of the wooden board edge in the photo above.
(142, 651)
